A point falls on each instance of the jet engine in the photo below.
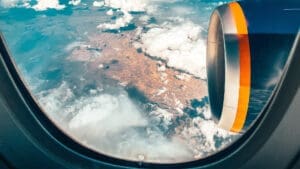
(247, 48)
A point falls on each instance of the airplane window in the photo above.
(128, 78)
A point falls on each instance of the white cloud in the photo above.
(127, 5)
(111, 124)
(110, 12)
(179, 45)
(206, 137)
(48, 4)
(98, 3)
(74, 2)
(111, 113)
(119, 23)
(41, 5)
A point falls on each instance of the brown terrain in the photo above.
(114, 56)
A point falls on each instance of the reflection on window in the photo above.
(124, 77)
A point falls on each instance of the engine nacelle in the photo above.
(248, 45)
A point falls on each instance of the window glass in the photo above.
(126, 78)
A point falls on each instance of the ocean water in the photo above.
(71, 55)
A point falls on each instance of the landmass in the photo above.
(114, 56)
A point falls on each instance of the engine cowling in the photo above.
(248, 45)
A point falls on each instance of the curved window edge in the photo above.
(243, 148)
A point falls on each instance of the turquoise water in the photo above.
(37, 39)
(103, 115)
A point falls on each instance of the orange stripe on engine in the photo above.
(245, 66)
